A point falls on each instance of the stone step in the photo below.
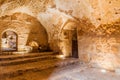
(15, 70)
(26, 60)
(26, 55)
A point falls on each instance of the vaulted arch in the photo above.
(28, 28)
(9, 41)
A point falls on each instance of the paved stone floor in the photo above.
(72, 72)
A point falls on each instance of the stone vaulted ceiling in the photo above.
(97, 22)
(98, 11)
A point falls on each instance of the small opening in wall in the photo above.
(74, 44)
(9, 41)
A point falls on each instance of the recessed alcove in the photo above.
(9, 41)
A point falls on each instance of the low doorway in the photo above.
(74, 44)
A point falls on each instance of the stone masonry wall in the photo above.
(100, 46)
(27, 28)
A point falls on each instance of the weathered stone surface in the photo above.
(97, 23)
(103, 48)
(24, 25)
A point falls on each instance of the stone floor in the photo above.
(47, 66)
(71, 72)
(12, 66)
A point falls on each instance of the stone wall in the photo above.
(27, 28)
(98, 37)
(105, 11)
(100, 46)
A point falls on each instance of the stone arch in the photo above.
(9, 39)
(66, 37)
(28, 29)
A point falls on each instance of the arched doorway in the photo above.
(74, 44)
(9, 41)
(68, 40)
